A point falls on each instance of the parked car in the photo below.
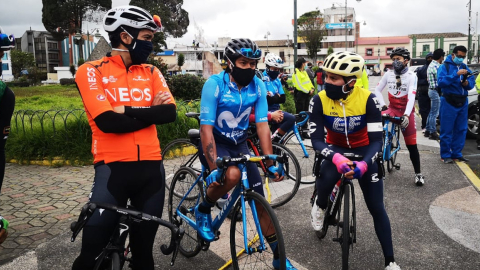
(473, 117)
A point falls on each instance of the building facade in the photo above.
(422, 44)
(376, 50)
(282, 48)
(44, 48)
(6, 66)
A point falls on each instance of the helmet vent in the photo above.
(355, 69)
(334, 65)
(141, 12)
(110, 21)
(344, 66)
(342, 56)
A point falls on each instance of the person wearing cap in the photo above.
(352, 119)
(303, 86)
(433, 94)
(7, 105)
(422, 92)
(124, 100)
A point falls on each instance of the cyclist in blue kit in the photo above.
(276, 96)
(352, 118)
(227, 100)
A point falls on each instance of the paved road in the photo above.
(434, 227)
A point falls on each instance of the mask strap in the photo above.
(133, 40)
(343, 87)
(120, 50)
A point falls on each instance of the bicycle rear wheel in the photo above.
(179, 153)
(283, 191)
(260, 257)
(190, 245)
(306, 164)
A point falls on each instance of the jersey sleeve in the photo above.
(374, 128)
(280, 88)
(89, 84)
(160, 84)
(208, 103)
(317, 131)
(412, 91)
(261, 106)
(378, 90)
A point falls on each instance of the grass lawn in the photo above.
(49, 97)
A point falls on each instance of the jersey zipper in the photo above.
(346, 124)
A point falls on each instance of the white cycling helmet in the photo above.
(346, 64)
(131, 16)
(273, 60)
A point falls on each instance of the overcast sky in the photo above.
(220, 18)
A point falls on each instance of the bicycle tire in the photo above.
(346, 237)
(283, 191)
(190, 245)
(108, 261)
(306, 164)
(245, 261)
(393, 149)
(185, 175)
(176, 154)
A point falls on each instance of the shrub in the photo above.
(80, 62)
(65, 81)
(18, 84)
(186, 86)
(289, 105)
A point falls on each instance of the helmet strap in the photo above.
(346, 86)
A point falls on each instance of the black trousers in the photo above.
(7, 104)
(301, 101)
(424, 103)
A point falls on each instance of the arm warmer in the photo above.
(112, 122)
(159, 114)
(276, 99)
(379, 89)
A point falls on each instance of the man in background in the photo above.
(422, 91)
(433, 94)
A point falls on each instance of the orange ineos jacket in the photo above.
(107, 83)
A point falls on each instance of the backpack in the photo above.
(320, 77)
(422, 75)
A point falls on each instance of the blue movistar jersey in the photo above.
(274, 87)
(227, 108)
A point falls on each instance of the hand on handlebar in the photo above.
(214, 176)
(360, 168)
(384, 108)
(343, 164)
(405, 121)
(275, 174)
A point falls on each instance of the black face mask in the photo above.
(242, 76)
(140, 51)
(335, 92)
(273, 74)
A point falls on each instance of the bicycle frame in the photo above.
(388, 135)
(238, 192)
(294, 129)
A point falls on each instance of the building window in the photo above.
(369, 51)
(282, 55)
(53, 45)
(451, 47)
(5, 66)
(5, 57)
(389, 50)
(426, 49)
(53, 56)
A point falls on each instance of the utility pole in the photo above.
(469, 55)
(295, 31)
(346, 29)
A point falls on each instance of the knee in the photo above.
(232, 174)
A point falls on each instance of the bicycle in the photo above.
(115, 254)
(294, 141)
(175, 157)
(247, 242)
(342, 194)
(282, 191)
(391, 142)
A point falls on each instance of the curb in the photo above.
(472, 177)
(52, 163)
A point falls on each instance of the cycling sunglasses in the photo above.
(249, 53)
(157, 21)
(399, 81)
(7, 42)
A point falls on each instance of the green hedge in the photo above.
(186, 86)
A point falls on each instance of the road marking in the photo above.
(469, 174)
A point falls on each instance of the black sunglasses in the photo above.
(399, 80)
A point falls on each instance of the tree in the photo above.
(180, 61)
(174, 19)
(311, 27)
(21, 61)
(330, 50)
(64, 17)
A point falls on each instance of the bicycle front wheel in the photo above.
(179, 153)
(394, 145)
(108, 261)
(283, 191)
(190, 245)
(258, 256)
(347, 238)
(306, 163)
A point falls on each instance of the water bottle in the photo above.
(335, 190)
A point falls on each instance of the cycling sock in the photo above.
(388, 260)
(206, 206)
(272, 241)
(414, 157)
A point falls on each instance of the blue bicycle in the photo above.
(391, 141)
(305, 153)
(248, 246)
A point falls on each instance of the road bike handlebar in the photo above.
(386, 116)
(89, 208)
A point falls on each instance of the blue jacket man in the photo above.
(452, 79)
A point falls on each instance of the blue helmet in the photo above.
(430, 54)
